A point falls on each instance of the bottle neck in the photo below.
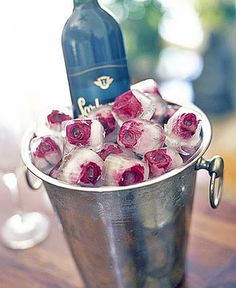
(81, 2)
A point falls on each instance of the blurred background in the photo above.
(188, 46)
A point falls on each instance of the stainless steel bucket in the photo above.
(135, 236)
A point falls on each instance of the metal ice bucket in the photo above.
(135, 236)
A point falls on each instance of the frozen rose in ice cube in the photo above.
(52, 122)
(46, 152)
(122, 170)
(127, 106)
(112, 148)
(162, 160)
(151, 89)
(82, 166)
(56, 118)
(132, 104)
(84, 133)
(183, 131)
(141, 136)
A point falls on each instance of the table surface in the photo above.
(211, 256)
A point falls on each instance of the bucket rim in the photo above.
(206, 140)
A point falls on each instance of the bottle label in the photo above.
(94, 86)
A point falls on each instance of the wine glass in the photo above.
(22, 230)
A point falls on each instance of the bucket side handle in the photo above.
(215, 168)
(36, 184)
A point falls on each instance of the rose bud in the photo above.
(81, 166)
(112, 148)
(151, 89)
(141, 136)
(104, 115)
(122, 170)
(162, 160)
(132, 104)
(183, 131)
(46, 152)
(84, 133)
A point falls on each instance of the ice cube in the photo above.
(148, 86)
(51, 122)
(83, 133)
(122, 170)
(132, 104)
(162, 160)
(141, 136)
(46, 152)
(151, 89)
(82, 166)
(183, 131)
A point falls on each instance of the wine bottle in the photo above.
(94, 55)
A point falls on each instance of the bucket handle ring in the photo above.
(33, 185)
(215, 168)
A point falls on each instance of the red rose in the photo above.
(126, 106)
(90, 173)
(46, 147)
(186, 125)
(158, 161)
(129, 133)
(56, 117)
(78, 133)
(132, 175)
(110, 149)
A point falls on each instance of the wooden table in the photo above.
(211, 257)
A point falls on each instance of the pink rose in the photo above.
(129, 133)
(126, 106)
(78, 133)
(90, 173)
(186, 125)
(57, 117)
(132, 175)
